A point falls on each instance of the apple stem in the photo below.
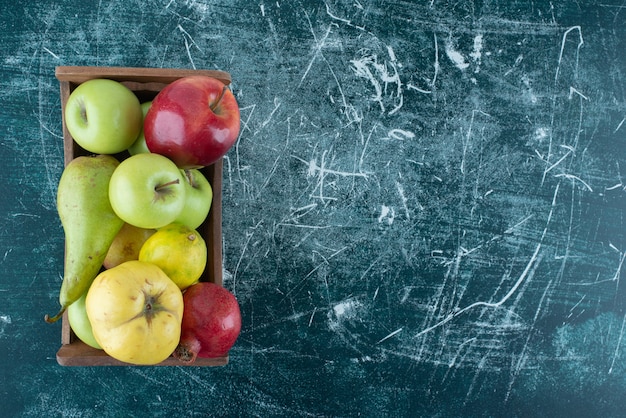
(190, 177)
(169, 183)
(219, 99)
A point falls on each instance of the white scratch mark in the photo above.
(371, 266)
(617, 274)
(387, 214)
(328, 12)
(313, 168)
(557, 73)
(307, 226)
(341, 308)
(497, 304)
(620, 125)
(404, 200)
(559, 161)
(406, 292)
(344, 20)
(399, 330)
(318, 53)
(348, 309)
(573, 177)
(395, 78)
(573, 308)
(243, 251)
(277, 105)
(296, 316)
(298, 213)
(51, 53)
(321, 171)
(412, 87)
(4, 320)
(511, 229)
(400, 134)
(189, 42)
(476, 53)
(436, 64)
(456, 57)
(312, 315)
(619, 343)
(361, 68)
(325, 261)
(319, 44)
(436, 68)
(467, 139)
(573, 91)
(580, 44)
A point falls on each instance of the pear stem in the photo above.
(55, 318)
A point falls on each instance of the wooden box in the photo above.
(145, 83)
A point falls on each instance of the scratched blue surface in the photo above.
(424, 213)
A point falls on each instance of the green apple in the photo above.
(139, 146)
(79, 322)
(103, 116)
(198, 199)
(147, 191)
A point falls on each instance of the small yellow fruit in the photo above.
(179, 251)
(126, 245)
(135, 312)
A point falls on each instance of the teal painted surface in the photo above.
(424, 214)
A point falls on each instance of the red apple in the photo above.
(193, 121)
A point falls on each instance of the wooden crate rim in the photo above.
(80, 74)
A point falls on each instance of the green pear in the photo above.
(89, 223)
